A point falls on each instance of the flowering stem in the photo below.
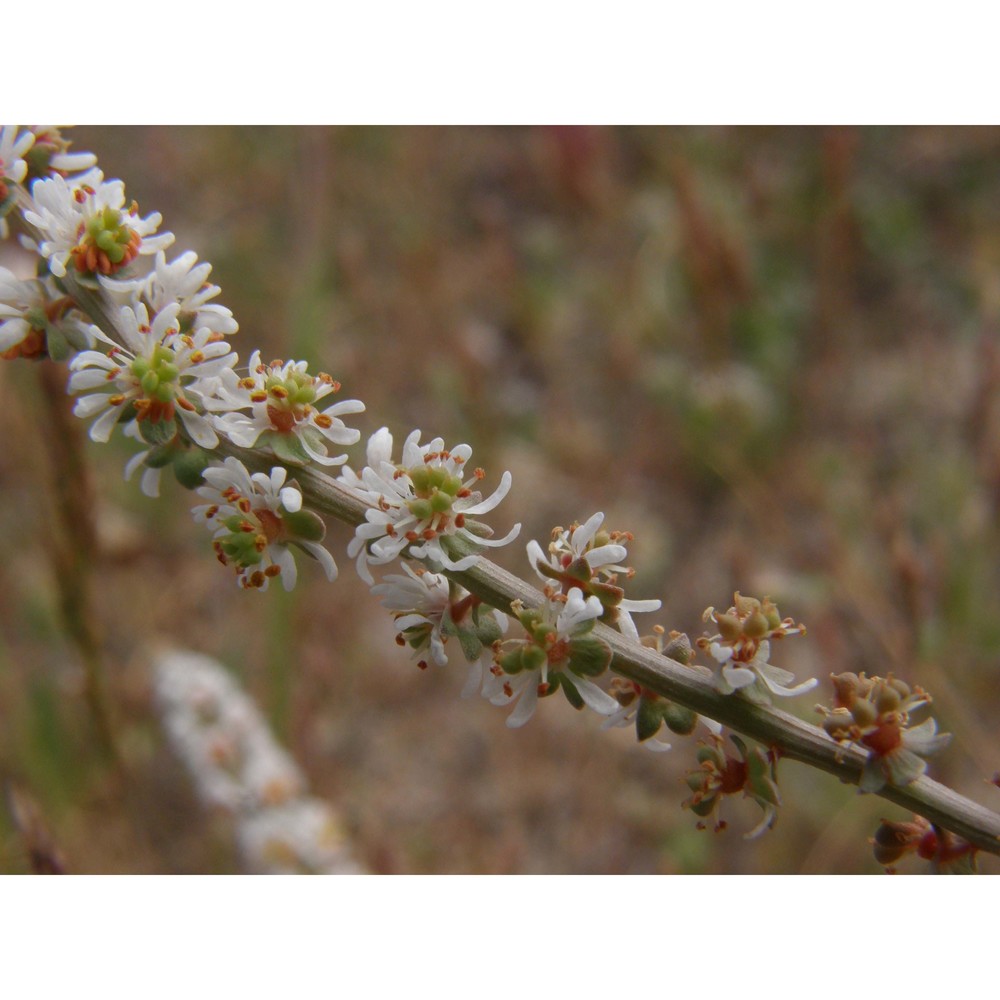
(794, 738)
(774, 729)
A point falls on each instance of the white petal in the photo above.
(605, 555)
(594, 697)
(487, 505)
(291, 498)
(101, 428)
(526, 705)
(738, 677)
(199, 428)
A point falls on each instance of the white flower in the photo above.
(578, 543)
(220, 736)
(282, 400)
(742, 647)
(85, 219)
(905, 762)
(378, 450)
(418, 601)
(255, 520)
(150, 481)
(579, 550)
(238, 767)
(428, 610)
(22, 312)
(421, 502)
(734, 675)
(50, 152)
(31, 311)
(533, 667)
(17, 299)
(163, 374)
(183, 281)
(13, 149)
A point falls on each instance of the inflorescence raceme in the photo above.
(155, 362)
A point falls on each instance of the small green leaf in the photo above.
(157, 431)
(608, 594)
(189, 467)
(765, 790)
(472, 647)
(478, 528)
(648, 719)
(679, 648)
(588, 656)
(160, 456)
(679, 719)
(569, 689)
(305, 525)
(486, 627)
(55, 343)
(705, 807)
(578, 569)
(286, 447)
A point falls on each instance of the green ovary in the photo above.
(435, 490)
(157, 375)
(298, 389)
(108, 232)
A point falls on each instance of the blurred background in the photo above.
(770, 353)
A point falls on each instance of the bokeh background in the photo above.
(770, 353)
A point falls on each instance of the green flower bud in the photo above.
(729, 626)
(189, 467)
(755, 626)
(648, 718)
(888, 699)
(745, 605)
(864, 712)
(901, 687)
(679, 719)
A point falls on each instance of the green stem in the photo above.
(793, 738)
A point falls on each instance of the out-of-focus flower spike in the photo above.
(237, 767)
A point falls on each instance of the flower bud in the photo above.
(888, 699)
(899, 686)
(845, 687)
(755, 626)
(864, 712)
(729, 626)
(679, 648)
(770, 610)
(679, 719)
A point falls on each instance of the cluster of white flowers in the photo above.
(84, 221)
(165, 374)
(557, 651)
(584, 555)
(255, 518)
(283, 416)
(163, 371)
(741, 650)
(237, 767)
(422, 506)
